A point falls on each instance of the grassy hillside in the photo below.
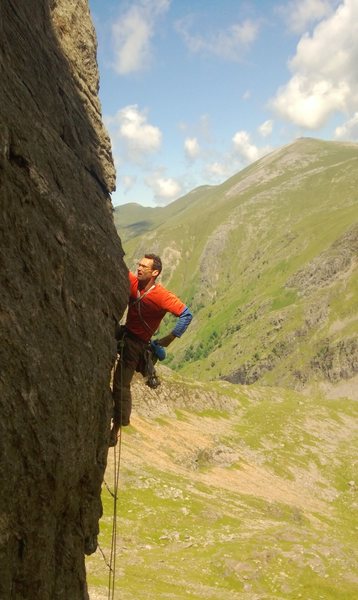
(268, 263)
(233, 492)
(133, 220)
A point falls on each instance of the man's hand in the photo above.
(166, 340)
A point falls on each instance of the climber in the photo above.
(148, 303)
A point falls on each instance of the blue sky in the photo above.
(192, 91)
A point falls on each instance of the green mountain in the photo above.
(133, 220)
(267, 261)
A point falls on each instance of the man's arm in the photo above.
(183, 322)
(166, 340)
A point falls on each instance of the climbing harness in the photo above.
(150, 354)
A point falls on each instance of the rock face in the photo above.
(63, 284)
(337, 361)
(329, 266)
(176, 394)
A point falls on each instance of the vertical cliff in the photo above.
(62, 283)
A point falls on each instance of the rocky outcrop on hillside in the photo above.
(328, 266)
(63, 282)
(336, 361)
(333, 362)
(174, 394)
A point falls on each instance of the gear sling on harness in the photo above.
(149, 357)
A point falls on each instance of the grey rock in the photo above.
(328, 266)
(63, 283)
(337, 361)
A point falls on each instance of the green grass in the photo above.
(262, 548)
(283, 298)
(214, 414)
(180, 537)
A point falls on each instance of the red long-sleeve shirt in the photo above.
(145, 315)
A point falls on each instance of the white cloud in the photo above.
(230, 44)
(300, 15)
(165, 189)
(349, 130)
(137, 138)
(132, 35)
(219, 171)
(325, 75)
(192, 148)
(127, 182)
(243, 146)
(309, 103)
(266, 128)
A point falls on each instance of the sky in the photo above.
(193, 91)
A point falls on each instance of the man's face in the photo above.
(145, 270)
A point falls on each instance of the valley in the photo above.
(232, 491)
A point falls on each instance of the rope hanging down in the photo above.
(112, 560)
(111, 564)
(116, 465)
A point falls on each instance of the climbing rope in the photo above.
(116, 466)
(112, 560)
(104, 556)
(111, 563)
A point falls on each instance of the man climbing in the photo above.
(148, 303)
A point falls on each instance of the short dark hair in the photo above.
(157, 262)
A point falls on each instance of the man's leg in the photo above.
(131, 352)
(122, 397)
